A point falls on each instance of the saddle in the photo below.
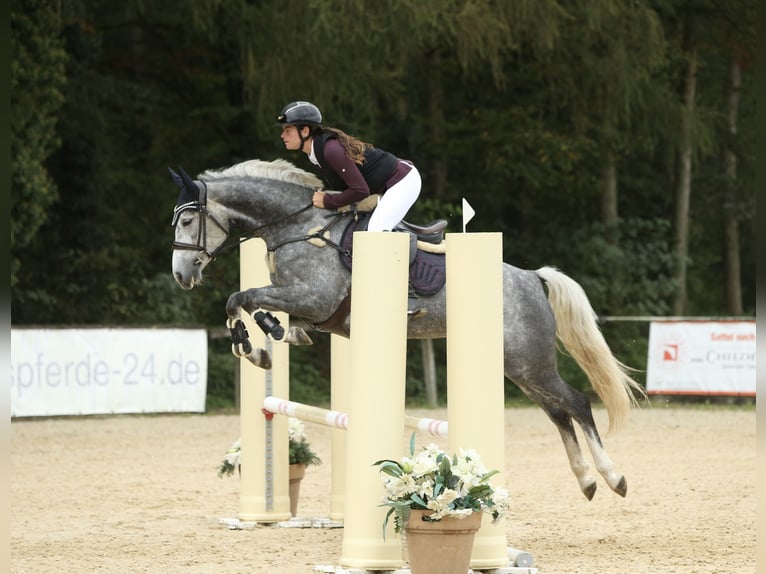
(427, 273)
(430, 233)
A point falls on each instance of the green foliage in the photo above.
(310, 373)
(299, 449)
(222, 372)
(515, 106)
(631, 275)
(37, 82)
(300, 453)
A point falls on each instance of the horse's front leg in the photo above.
(241, 346)
(251, 301)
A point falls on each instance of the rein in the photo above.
(226, 245)
(319, 234)
(201, 245)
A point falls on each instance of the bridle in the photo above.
(200, 246)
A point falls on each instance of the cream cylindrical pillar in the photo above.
(475, 373)
(340, 387)
(264, 484)
(376, 401)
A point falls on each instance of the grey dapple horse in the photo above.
(272, 200)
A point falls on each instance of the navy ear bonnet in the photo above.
(189, 198)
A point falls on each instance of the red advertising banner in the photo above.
(701, 358)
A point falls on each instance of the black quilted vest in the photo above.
(377, 167)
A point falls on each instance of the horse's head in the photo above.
(198, 234)
(250, 199)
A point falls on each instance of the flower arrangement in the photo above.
(299, 449)
(231, 461)
(456, 486)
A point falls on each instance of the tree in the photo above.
(37, 80)
(731, 218)
(133, 106)
(684, 183)
(708, 34)
(601, 75)
(739, 40)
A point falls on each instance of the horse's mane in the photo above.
(278, 169)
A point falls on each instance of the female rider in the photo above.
(355, 168)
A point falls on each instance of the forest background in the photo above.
(613, 140)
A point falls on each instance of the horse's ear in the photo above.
(188, 182)
(189, 190)
(176, 178)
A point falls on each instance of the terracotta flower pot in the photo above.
(442, 547)
(297, 471)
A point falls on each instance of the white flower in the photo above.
(453, 512)
(441, 505)
(424, 486)
(400, 487)
(424, 465)
(232, 455)
(407, 464)
(501, 500)
(295, 430)
(469, 467)
(447, 496)
(431, 450)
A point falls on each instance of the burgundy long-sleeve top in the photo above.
(357, 188)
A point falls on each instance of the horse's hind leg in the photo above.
(531, 330)
(569, 405)
(604, 464)
(580, 410)
(577, 462)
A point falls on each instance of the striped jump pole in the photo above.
(328, 418)
(339, 420)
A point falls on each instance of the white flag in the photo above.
(468, 213)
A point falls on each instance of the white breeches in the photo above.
(396, 202)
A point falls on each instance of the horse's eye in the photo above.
(187, 222)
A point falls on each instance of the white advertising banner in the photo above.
(701, 358)
(103, 371)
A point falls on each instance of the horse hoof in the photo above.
(622, 487)
(260, 358)
(297, 336)
(590, 490)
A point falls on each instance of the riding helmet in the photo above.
(303, 113)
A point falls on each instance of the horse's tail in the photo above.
(577, 329)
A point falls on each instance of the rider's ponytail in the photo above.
(354, 147)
